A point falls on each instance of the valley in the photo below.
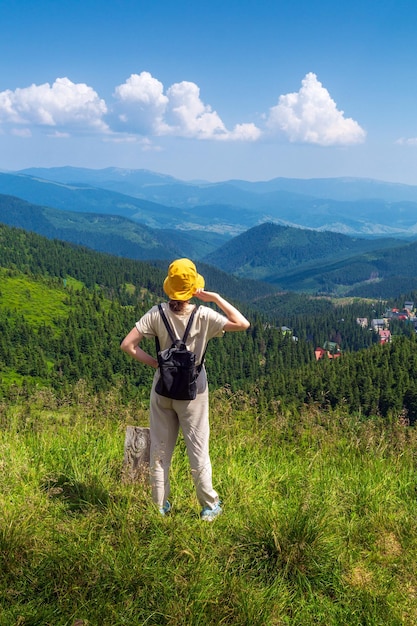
(356, 238)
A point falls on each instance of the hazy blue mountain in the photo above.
(343, 189)
(83, 198)
(124, 181)
(106, 233)
(147, 185)
(144, 183)
(347, 205)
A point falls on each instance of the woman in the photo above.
(192, 416)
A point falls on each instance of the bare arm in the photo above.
(130, 345)
(236, 321)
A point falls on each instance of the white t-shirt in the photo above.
(207, 324)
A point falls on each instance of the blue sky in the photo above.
(211, 90)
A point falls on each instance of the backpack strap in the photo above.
(190, 323)
(169, 328)
(187, 330)
(167, 324)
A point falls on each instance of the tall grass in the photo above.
(319, 523)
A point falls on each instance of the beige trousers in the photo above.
(166, 418)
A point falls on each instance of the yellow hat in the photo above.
(183, 280)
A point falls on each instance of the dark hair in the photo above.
(178, 306)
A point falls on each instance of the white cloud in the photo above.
(243, 132)
(189, 116)
(142, 107)
(64, 105)
(311, 116)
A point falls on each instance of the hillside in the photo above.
(270, 249)
(84, 198)
(383, 273)
(313, 262)
(314, 460)
(81, 197)
(289, 258)
(64, 310)
(106, 233)
(30, 252)
(319, 523)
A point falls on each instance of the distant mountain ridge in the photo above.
(113, 234)
(336, 251)
(341, 188)
(131, 180)
(357, 207)
(287, 258)
(82, 197)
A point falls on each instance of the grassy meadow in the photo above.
(319, 523)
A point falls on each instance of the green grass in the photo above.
(319, 523)
(33, 299)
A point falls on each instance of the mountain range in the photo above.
(114, 234)
(227, 224)
(357, 207)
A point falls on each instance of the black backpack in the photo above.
(177, 365)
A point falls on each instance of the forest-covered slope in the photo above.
(65, 309)
(320, 262)
(270, 251)
(37, 255)
(114, 234)
(290, 258)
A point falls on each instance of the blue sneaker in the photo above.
(164, 510)
(209, 515)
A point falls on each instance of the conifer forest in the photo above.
(64, 310)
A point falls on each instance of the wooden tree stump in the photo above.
(136, 454)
